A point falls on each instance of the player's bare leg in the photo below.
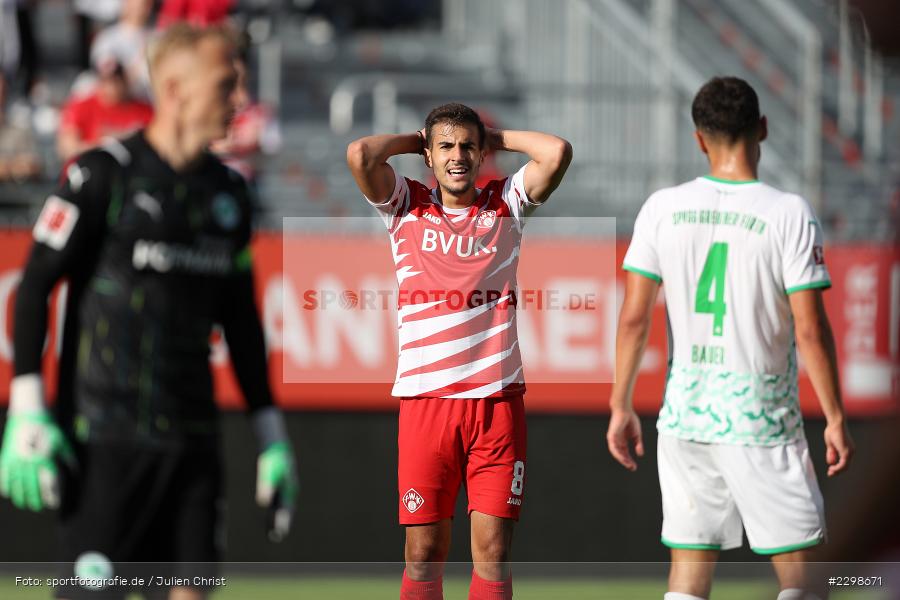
(186, 593)
(692, 571)
(426, 550)
(491, 546)
(792, 570)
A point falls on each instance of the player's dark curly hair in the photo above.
(726, 107)
(454, 114)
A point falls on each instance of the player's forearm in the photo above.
(244, 334)
(367, 159)
(550, 157)
(631, 340)
(371, 151)
(247, 347)
(30, 324)
(817, 347)
(542, 148)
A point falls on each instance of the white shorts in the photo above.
(709, 491)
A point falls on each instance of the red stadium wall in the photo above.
(331, 364)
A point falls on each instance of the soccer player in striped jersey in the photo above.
(459, 372)
(744, 270)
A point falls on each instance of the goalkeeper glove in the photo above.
(31, 443)
(276, 477)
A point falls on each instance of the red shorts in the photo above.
(444, 442)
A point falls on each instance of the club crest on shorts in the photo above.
(412, 500)
(486, 219)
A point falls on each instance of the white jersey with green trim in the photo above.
(728, 255)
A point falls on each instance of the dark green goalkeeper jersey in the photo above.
(154, 258)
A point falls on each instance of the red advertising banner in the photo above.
(344, 358)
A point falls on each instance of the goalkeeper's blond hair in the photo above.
(185, 38)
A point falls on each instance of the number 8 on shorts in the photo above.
(518, 480)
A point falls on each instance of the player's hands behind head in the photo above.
(839, 447)
(423, 136)
(29, 474)
(625, 430)
(493, 139)
(277, 487)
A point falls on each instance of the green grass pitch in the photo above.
(455, 588)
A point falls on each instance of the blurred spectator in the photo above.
(126, 43)
(196, 12)
(108, 111)
(30, 55)
(91, 15)
(254, 132)
(18, 51)
(10, 50)
(19, 159)
(372, 14)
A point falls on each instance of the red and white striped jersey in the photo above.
(456, 271)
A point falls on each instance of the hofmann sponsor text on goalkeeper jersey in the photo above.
(728, 255)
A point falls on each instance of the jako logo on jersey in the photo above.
(514, 501)
(486, 219)
(412, 500)
(819, 255)
(56, 222)
(225, 211)
(432, 218)
(475, 245)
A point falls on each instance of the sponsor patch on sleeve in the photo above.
(56, 222)
(819, 255)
